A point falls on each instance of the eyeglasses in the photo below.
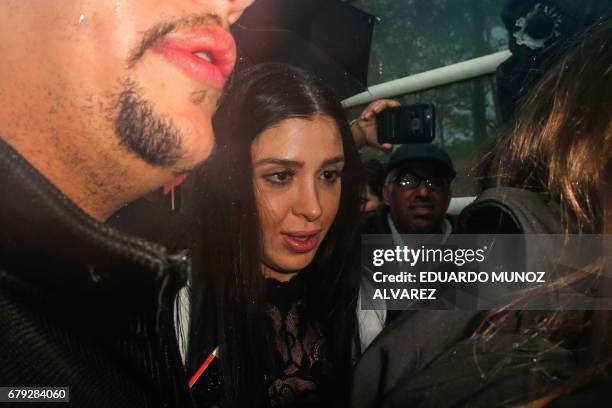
(411, 181)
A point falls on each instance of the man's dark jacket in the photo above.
(81, 304)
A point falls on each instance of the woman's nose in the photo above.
(307, 203)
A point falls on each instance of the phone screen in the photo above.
(406, 124)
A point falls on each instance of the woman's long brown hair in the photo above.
(560, 144)
(561, 140)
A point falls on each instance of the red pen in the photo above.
(204, 366)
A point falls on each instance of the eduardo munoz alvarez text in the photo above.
(457, 256)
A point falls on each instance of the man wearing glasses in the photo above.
(416, 193)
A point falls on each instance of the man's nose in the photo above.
(230, 9)
(307, 203)
(422, 190)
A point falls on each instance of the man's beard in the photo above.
(150, 136)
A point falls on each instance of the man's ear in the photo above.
(386, 194)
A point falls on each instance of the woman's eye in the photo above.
(330, 176)
(281, 177)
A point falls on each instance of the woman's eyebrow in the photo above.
(281, 162)
(296, 163)
(333, 160)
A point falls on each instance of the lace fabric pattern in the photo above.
(301, 354)
(301, 373)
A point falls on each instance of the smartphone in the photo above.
(407, 124)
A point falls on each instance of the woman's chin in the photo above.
(288, 266)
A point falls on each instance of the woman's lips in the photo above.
(216, 50)
(301, 241)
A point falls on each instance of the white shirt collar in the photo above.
(447, 229)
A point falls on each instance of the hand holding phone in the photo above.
(364, 128)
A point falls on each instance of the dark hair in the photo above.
(374, 172)
(228, 293)
(561, 144)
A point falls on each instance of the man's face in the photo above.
(418, 208)
(139, 76)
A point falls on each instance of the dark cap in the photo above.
(421, 151)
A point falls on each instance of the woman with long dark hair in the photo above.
(279, 208)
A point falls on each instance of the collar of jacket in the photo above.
(446, 227)
(47, 242)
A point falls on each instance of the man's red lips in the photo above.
(207, 54)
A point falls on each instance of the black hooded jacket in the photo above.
(82, 305)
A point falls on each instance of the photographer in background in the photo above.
(416, 192)
(416, 195)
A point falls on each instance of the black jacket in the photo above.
(81, 304)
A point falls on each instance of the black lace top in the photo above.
(301, 371)
(302, 365)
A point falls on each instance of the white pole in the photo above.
(429, 79)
